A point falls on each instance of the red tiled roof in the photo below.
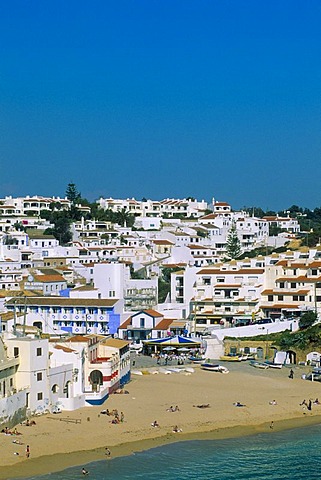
(126, 323)
(49, 278)
(64, 349)
(163, 324)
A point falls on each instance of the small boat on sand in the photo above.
(231, 358)
(189, 369)
(196, 359)
(165, 371)
(212, 367)
(273, 365)
(262, 365)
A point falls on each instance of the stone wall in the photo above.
(13, 409)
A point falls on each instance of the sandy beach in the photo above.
(84, 434)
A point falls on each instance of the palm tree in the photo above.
(125, 218)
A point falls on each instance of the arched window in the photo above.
(55, 388)
(96, 377)
(259, 352)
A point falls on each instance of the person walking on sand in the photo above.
(291, 375)
(27, 451)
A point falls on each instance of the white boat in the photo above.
(212, 367)
(165, 371)
(274, 365)
(196, 359)
(189, 370)
(262, 365)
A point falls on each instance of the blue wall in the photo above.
(114, 322)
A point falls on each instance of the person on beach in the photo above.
(155, 423)
(84, 471)
(291, 374)
(176, 429)
(107, 452)
(122, 417)
(309, 407)
(17, 442)
(273, 402)
(27, 451)
(272, 425)
(238, 404)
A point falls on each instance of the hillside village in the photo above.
(71, 311)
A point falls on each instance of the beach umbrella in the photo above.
(168, 349)
(184, 349)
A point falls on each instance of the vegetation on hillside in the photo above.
(308, 335)
(62, 219)
(309, 220)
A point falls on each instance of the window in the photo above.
(39, 352)
(281, 284)
(39, 376)
(39, 396)
(293, 285)
(16, 352)
(280, 298)
(270, 298)
(314, 271)
(295, 298)
(220, 280)
(142, 322)
(301, 298)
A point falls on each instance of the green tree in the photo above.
(125, 218)
(164, 289)
(19, 226)
(307, 319)
(61, 230)
(233, 244)
(255, 211)
(72, 193)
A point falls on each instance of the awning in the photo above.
(177, 341)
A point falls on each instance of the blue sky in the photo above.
(167, 98)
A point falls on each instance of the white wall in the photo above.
(110, 277)
(30, 365)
